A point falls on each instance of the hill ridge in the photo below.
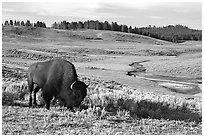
(83, 34)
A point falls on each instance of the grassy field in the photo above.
(116, 103)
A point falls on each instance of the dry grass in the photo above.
(109, 108)
(17, 120)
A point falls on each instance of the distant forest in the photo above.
(22, 23)
(172, 33)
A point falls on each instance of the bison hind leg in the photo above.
(30, 89)
(35, 91)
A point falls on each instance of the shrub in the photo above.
(8, 98)
(12, 91)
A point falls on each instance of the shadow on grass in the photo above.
(148, 109)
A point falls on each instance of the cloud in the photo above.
(8, 10)
(182, 10)
(67, 9)
(154, 17)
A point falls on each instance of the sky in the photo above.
(129, 12)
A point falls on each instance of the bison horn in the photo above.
(72, 85)
(78, 84)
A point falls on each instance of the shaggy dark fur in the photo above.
(55, 77)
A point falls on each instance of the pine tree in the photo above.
(92, 24)
(130, 30)
(54, 25)
(11, 22)
(86, 24)
(80, 25)
(44, 25)
(6, 23)
(15, 23)
(124, 28)
(28, 23)
(22, 23)
(18, 23)
(106, 26)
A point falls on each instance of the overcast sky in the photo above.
(122, 11)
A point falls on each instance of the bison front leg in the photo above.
(47, 95)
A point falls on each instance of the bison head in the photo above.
(79, 90)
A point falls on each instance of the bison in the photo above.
(57, 79)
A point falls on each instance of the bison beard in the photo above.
(57, 78)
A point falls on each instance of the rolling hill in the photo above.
(89, 34)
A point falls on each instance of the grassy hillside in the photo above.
(57, 34)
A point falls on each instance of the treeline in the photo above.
(92, 25)
(177, 33)
(22, 23)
